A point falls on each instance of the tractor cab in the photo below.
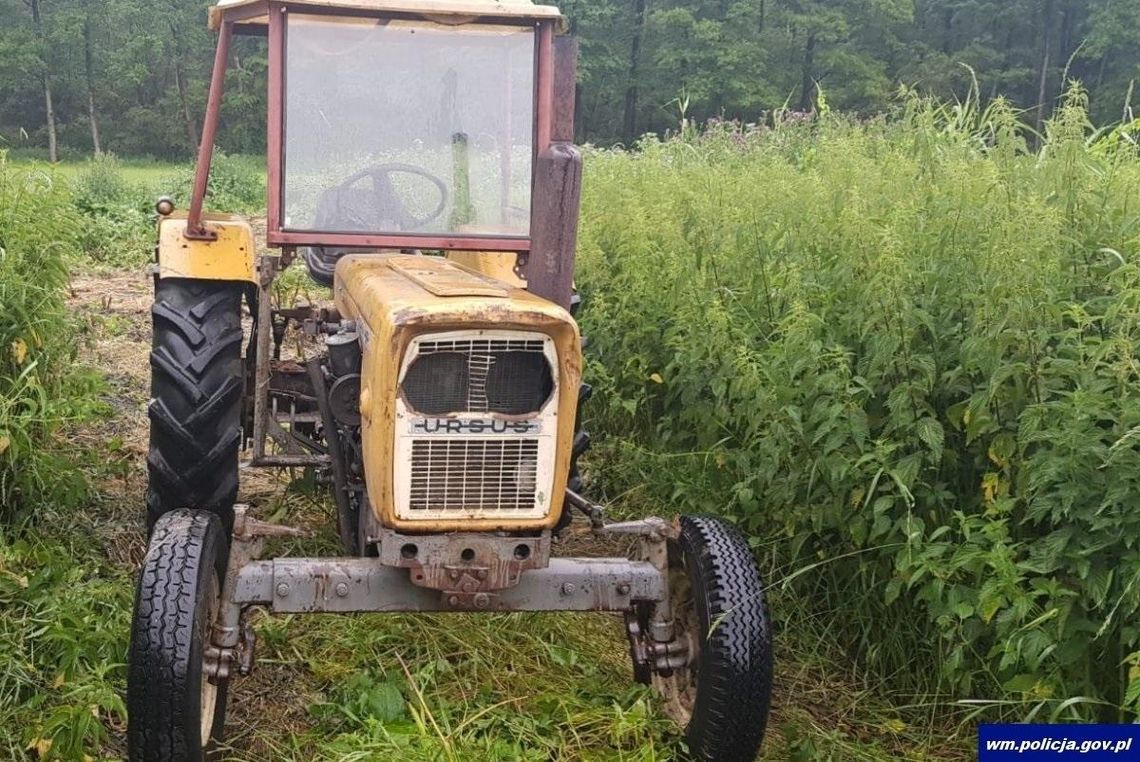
(417, 127)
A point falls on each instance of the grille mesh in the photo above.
(465, 474)
(509, 376)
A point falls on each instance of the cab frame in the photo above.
(544, 257)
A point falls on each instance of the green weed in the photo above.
(236, 184)
(902, 355)
(38, 390)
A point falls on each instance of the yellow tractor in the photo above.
(421, 164)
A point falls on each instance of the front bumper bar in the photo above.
(341, 585)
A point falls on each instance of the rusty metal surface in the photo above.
(449, 12)
(544, 90)
(554, 223)
(232, 639)
(565, 88)
(341, 585)
(389, 310)
(267, 271)
(464, 563)
(275, 119)
(346, 517)
(228, 254)
(276, 236)
(289, 461)
(195, 230)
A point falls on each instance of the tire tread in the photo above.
(735, 673)
(196, 396)
(161, 650)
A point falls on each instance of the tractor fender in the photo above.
(231, 256)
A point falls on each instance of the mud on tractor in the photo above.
(421, 164)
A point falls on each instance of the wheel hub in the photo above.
(665, 653)
(209, 691)
(678, 687)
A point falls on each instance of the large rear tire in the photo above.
(196, 391)
(723, 698)
(175, 714)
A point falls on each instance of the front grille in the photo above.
(470, 475)
(507, 376)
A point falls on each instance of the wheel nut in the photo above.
(283, 590)
(481, 574)
(453, 600)
(568, 588)
(453, 574)
(623, 588)
(481, 600)
(342, 590)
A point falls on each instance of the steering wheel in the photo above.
(380, 209)
(347, 207)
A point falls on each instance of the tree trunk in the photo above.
(947, 30)
(49, 107)
(1046, 49)
(187, 117)
(53, 144)
(763, 20)
(183, 99)
(1100, 70)
(1068, 20)
(806, 81)
(89, 71)
(629, 123)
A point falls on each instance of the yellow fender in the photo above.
(232, 256)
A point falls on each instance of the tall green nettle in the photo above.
(37, 234)
(903, 355)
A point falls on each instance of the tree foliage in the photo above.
(149, 71)
(141, 68)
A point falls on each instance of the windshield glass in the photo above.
(407, 127)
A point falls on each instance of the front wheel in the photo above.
(722, 697)
(174, 712)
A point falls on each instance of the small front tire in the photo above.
(174, 713)
(722, 698)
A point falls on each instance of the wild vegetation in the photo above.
(61, 624)
(903, 355)
(37, 237)
(899, 352)
(79, 77)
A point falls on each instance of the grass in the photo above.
(149, 176)
(144, 174)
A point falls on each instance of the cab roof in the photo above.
(440, 11)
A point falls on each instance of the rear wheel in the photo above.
(196, 391)
(174, 711)
(722, 698)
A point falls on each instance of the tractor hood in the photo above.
(408, 305)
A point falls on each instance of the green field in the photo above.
(900, 354)
(146, 175)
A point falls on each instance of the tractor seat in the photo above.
(351, 209)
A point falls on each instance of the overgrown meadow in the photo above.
(901, 354)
